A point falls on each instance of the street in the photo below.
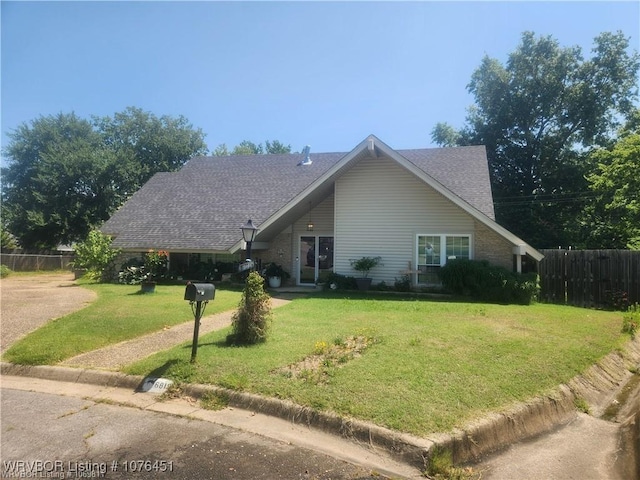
(53, 436)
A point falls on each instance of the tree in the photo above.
(276, 147)
(66, 175)
(612, 219)
(538, 115)
(221, 150)
(145, 144)
(58, 183)
(246, 147)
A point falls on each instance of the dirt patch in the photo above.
(29, 301)
(315, 368)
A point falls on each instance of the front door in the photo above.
(316, 256)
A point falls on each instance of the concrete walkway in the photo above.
(117, 356)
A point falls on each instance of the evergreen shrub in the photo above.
(489, 283)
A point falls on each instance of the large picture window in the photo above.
(434, 251)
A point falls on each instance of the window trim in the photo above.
(443, 251)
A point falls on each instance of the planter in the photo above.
(79, 273)
(147, 287)
(363, 283)
(275, 282)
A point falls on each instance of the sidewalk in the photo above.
(116, 356)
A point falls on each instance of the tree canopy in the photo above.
(612, 218)
(66, 175)
(539, 115)
(247, 147)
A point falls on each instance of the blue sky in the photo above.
(325, 74)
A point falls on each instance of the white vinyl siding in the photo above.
(380, 208)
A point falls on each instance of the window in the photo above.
(434, 251)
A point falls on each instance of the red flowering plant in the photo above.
(155, 264)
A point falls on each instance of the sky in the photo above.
(324, 74)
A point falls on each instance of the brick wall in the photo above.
(492, 247)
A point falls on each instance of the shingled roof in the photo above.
(202, 206)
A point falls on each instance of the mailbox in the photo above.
(199, 292)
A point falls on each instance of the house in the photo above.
(415, 209)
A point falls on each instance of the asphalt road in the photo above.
(52, 435)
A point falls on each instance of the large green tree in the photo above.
(146, 144)
(538, 115)
(58, 182)
(612, 218)
(65, 175)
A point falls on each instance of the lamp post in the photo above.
(248, 234)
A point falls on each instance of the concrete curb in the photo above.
(598, 386)
(403, 447)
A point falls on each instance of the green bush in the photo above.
(250, 323)
(335, 281)
(486, 282)
(4, 271)
(96, 255)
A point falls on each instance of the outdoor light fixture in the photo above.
(309, 223)
(248, 234)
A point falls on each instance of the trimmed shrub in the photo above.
(486, 282)
(250, 323)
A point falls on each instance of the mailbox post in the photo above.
(197, 294)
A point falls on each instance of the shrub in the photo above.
(132, 272)
(403, 284)
(251, 321)
(95, 254)
(631, 319)
(335, 281)
(155, 263)
(487, 282)
(4, 271)
(365, 264)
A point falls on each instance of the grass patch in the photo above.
(214, 401)
(119, 313)
(433, 366)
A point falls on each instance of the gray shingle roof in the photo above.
(202, 206)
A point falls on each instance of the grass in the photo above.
(431, 366)
(120, 313)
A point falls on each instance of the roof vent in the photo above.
(307, 158)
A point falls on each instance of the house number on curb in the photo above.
(156, 385)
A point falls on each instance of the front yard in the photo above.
(427, 366)
(414, 365)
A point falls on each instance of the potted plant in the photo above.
(274, 273)
(364, 265)
(155, 265)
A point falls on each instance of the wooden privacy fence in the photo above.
(590, 278)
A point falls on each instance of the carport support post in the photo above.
(196, 328)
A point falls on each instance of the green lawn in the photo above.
(120, 313)
(432, 365)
